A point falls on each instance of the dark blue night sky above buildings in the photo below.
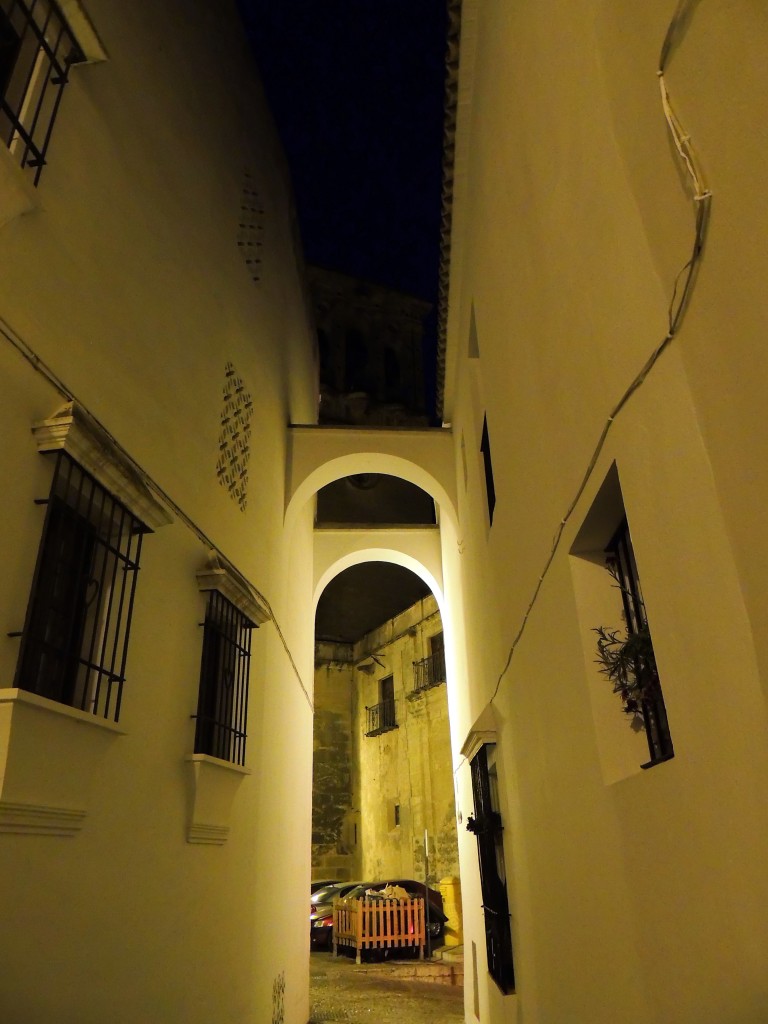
(356, 88)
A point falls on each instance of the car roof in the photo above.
(326, 893)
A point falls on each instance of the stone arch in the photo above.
(377, 554)
(320, 456)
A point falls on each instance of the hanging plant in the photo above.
(490, 822)
(629, 663)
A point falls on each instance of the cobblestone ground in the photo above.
(340, 991)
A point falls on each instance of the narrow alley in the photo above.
(385, 993)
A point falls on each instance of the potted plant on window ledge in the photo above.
(629, 663)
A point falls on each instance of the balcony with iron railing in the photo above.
(380, 718)
(428, 672)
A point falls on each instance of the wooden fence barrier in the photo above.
(378, 924)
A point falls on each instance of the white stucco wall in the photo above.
(126, 282)
(637, 896)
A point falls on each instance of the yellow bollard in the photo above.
(451, 890)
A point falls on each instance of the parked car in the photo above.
(314, 886)
(435, 913)
(321, 912)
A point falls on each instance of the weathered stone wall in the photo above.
(375, 795)
(409, 767)
(334, 839)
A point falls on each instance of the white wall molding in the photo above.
(214, 784)
(208, 835)
(37, 819)
(49, 756)
(83, 30)
(73, 430)
(219, 575)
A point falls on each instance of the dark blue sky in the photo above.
(356, 87)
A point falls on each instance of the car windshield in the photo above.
(325, 894)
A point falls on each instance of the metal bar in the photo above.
(29, 108)
(37, 71)
(97, 598)
(139, 534)
(109, 596)
(59, 84)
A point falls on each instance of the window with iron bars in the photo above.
(620, 558)
(222, 707)
(74, 644)
(488, 830)
(37, 50)
(430, 671)
(381, 717)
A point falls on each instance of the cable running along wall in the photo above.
(681, 293)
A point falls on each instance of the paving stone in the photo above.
(340, 990)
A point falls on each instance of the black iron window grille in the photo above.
(381, 717)
(74, 644)
(222, 707)
(487, 828)
(37, 50)
(620, 557)
(430, 671)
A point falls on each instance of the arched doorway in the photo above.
(382, 779)
(383, 796)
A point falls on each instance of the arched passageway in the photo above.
(407, 759)
(383, 770)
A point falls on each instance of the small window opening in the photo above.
(223, 696)
(381, 717)
(490, 490)
(488, 829)
(430, 671)
(473, 347)
(75, 640)
(644, 699)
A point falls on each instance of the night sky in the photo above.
(357, 91)
(356, 87)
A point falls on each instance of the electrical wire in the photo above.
(681, 296)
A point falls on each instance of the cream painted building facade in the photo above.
(383, 770)
(139, 885)
(139, 330)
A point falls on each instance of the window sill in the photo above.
(49, 755)
(213, 786)
(658, 760)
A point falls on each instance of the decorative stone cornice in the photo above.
(37, 819)
(74, 431)
(221, 576)
(214, 785)
(208, 835)
(49, 755)
(485, 730)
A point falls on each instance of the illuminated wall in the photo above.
(636, 895)
(406, 775)
(374, 795)
(138, 885)
(583, 376)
